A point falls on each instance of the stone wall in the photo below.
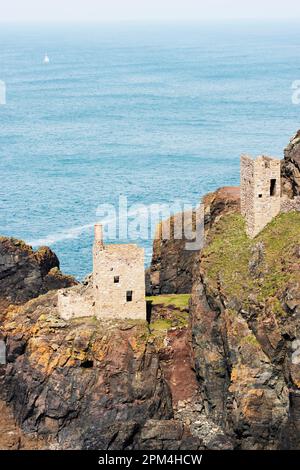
(115, 290)
(76, 302)
(247, 192)
(118, 272)
(288, 205)
(260, 192)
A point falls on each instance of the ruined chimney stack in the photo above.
(98, 231)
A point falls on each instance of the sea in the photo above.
(152, 112)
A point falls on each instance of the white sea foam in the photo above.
(72, 233)
(145, 215)
(68, 234)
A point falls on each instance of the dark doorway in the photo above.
(148, 310)
(273, 187)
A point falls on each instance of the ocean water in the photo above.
(153, 112)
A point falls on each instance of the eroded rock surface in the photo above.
(89, 384)
(290, 169)
(171, 270)
(224, 374)
(25, 273)
(246, 327)
(86, 383)
(11, 435)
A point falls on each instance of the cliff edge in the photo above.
(217, 370)
(246, 328)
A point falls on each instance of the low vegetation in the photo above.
(261, 267)
(170, 312)
(179, 301)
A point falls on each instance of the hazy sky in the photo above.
(107, 10)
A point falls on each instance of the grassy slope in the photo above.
(227, 256)
(177, 315)
(180, 301)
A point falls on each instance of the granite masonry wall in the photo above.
(119, 281)
(260, 192)
(288, 205)
(117, 287)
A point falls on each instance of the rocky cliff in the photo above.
(89, 384)
(224, 375)
(25, 273)
(171, 270)
(245, 316)
(83, 384)
(290, 169)
(219, 372)
(246, 329)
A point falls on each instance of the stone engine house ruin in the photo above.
(260, 192)
(118, 279)
(117, 289)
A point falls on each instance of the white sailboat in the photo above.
(46, 59)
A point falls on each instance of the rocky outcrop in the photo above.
(223, 374)
(84, 384)
(224, 201)
(290, 169)
(230, 381)
(25, 274)
(12, 437)
(246, 325)
(90, 384)
(170, 270)
(172, 264)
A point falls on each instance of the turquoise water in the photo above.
(153, 112)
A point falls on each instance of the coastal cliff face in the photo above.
(25, 273)
(90, 384)
(171, 270)
(83, 384)
(86, 384)
(290, 169)
(246, 328)
(221, 374)
(245, 316)
(221, 371)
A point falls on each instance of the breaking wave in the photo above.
(67, 234)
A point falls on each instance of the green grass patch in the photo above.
(180, 301)
(161, 325)
(249, 339)
(229, 251)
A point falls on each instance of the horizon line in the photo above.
(152, 20)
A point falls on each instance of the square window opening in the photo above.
(129, 296)
(116, 279)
